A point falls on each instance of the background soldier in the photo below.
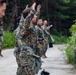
(47, 34)
(45, 25)
(41, 38)
(2, 13)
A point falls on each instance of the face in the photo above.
(2, 10)
(40, 22)
(45, 22)
(34, 19)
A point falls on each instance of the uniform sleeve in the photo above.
(48, 27)
(28, 18)
(18, 37)
(39, 33)
(22, 30)
(32, 12)
(37, 14)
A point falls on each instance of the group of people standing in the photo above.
(31, 41)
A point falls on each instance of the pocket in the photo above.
(26, 59)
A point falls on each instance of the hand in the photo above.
(28, 10)
(51, 25)
(38, 8)
(33, 6)
(26, 7)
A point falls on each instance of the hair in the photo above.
(39, 19)
(2, 1)
(25, 12)
(45, 20)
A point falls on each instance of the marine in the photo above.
(25, 51)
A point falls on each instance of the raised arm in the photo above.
(38, 11)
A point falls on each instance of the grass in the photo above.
(70, 54)
(9, 41)
(60, 39)
(70, 50)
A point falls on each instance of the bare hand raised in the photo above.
(27, 7)
(38, 8)
(33, 6)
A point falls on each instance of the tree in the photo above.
(58, 12)
(13, 14)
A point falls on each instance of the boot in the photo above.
(44, 56)
(1, 53)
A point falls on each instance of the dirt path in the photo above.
(55, 63)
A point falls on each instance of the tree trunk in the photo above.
(54, 22)
(13, 14)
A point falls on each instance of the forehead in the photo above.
(39, 20)
(3, 5)
(45, 21)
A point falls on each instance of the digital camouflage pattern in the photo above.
(46, 37)
(27, 62)
(40, 33)
(25, 50)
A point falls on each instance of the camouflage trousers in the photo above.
(16, 54)
(25, 70)
(26, 63)
(45, 48)
(45, 45)
(40, 51)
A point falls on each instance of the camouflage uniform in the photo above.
(34, 45)
(49, 38)
(26, 47)
(1, 36)
(46, 37)
(40, 33)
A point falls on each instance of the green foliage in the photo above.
(73, 29)
(9, 41)
(66, 1)
(60, 39)
(71, 45)
(70, 53)
(62, 16)
(57, 12)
